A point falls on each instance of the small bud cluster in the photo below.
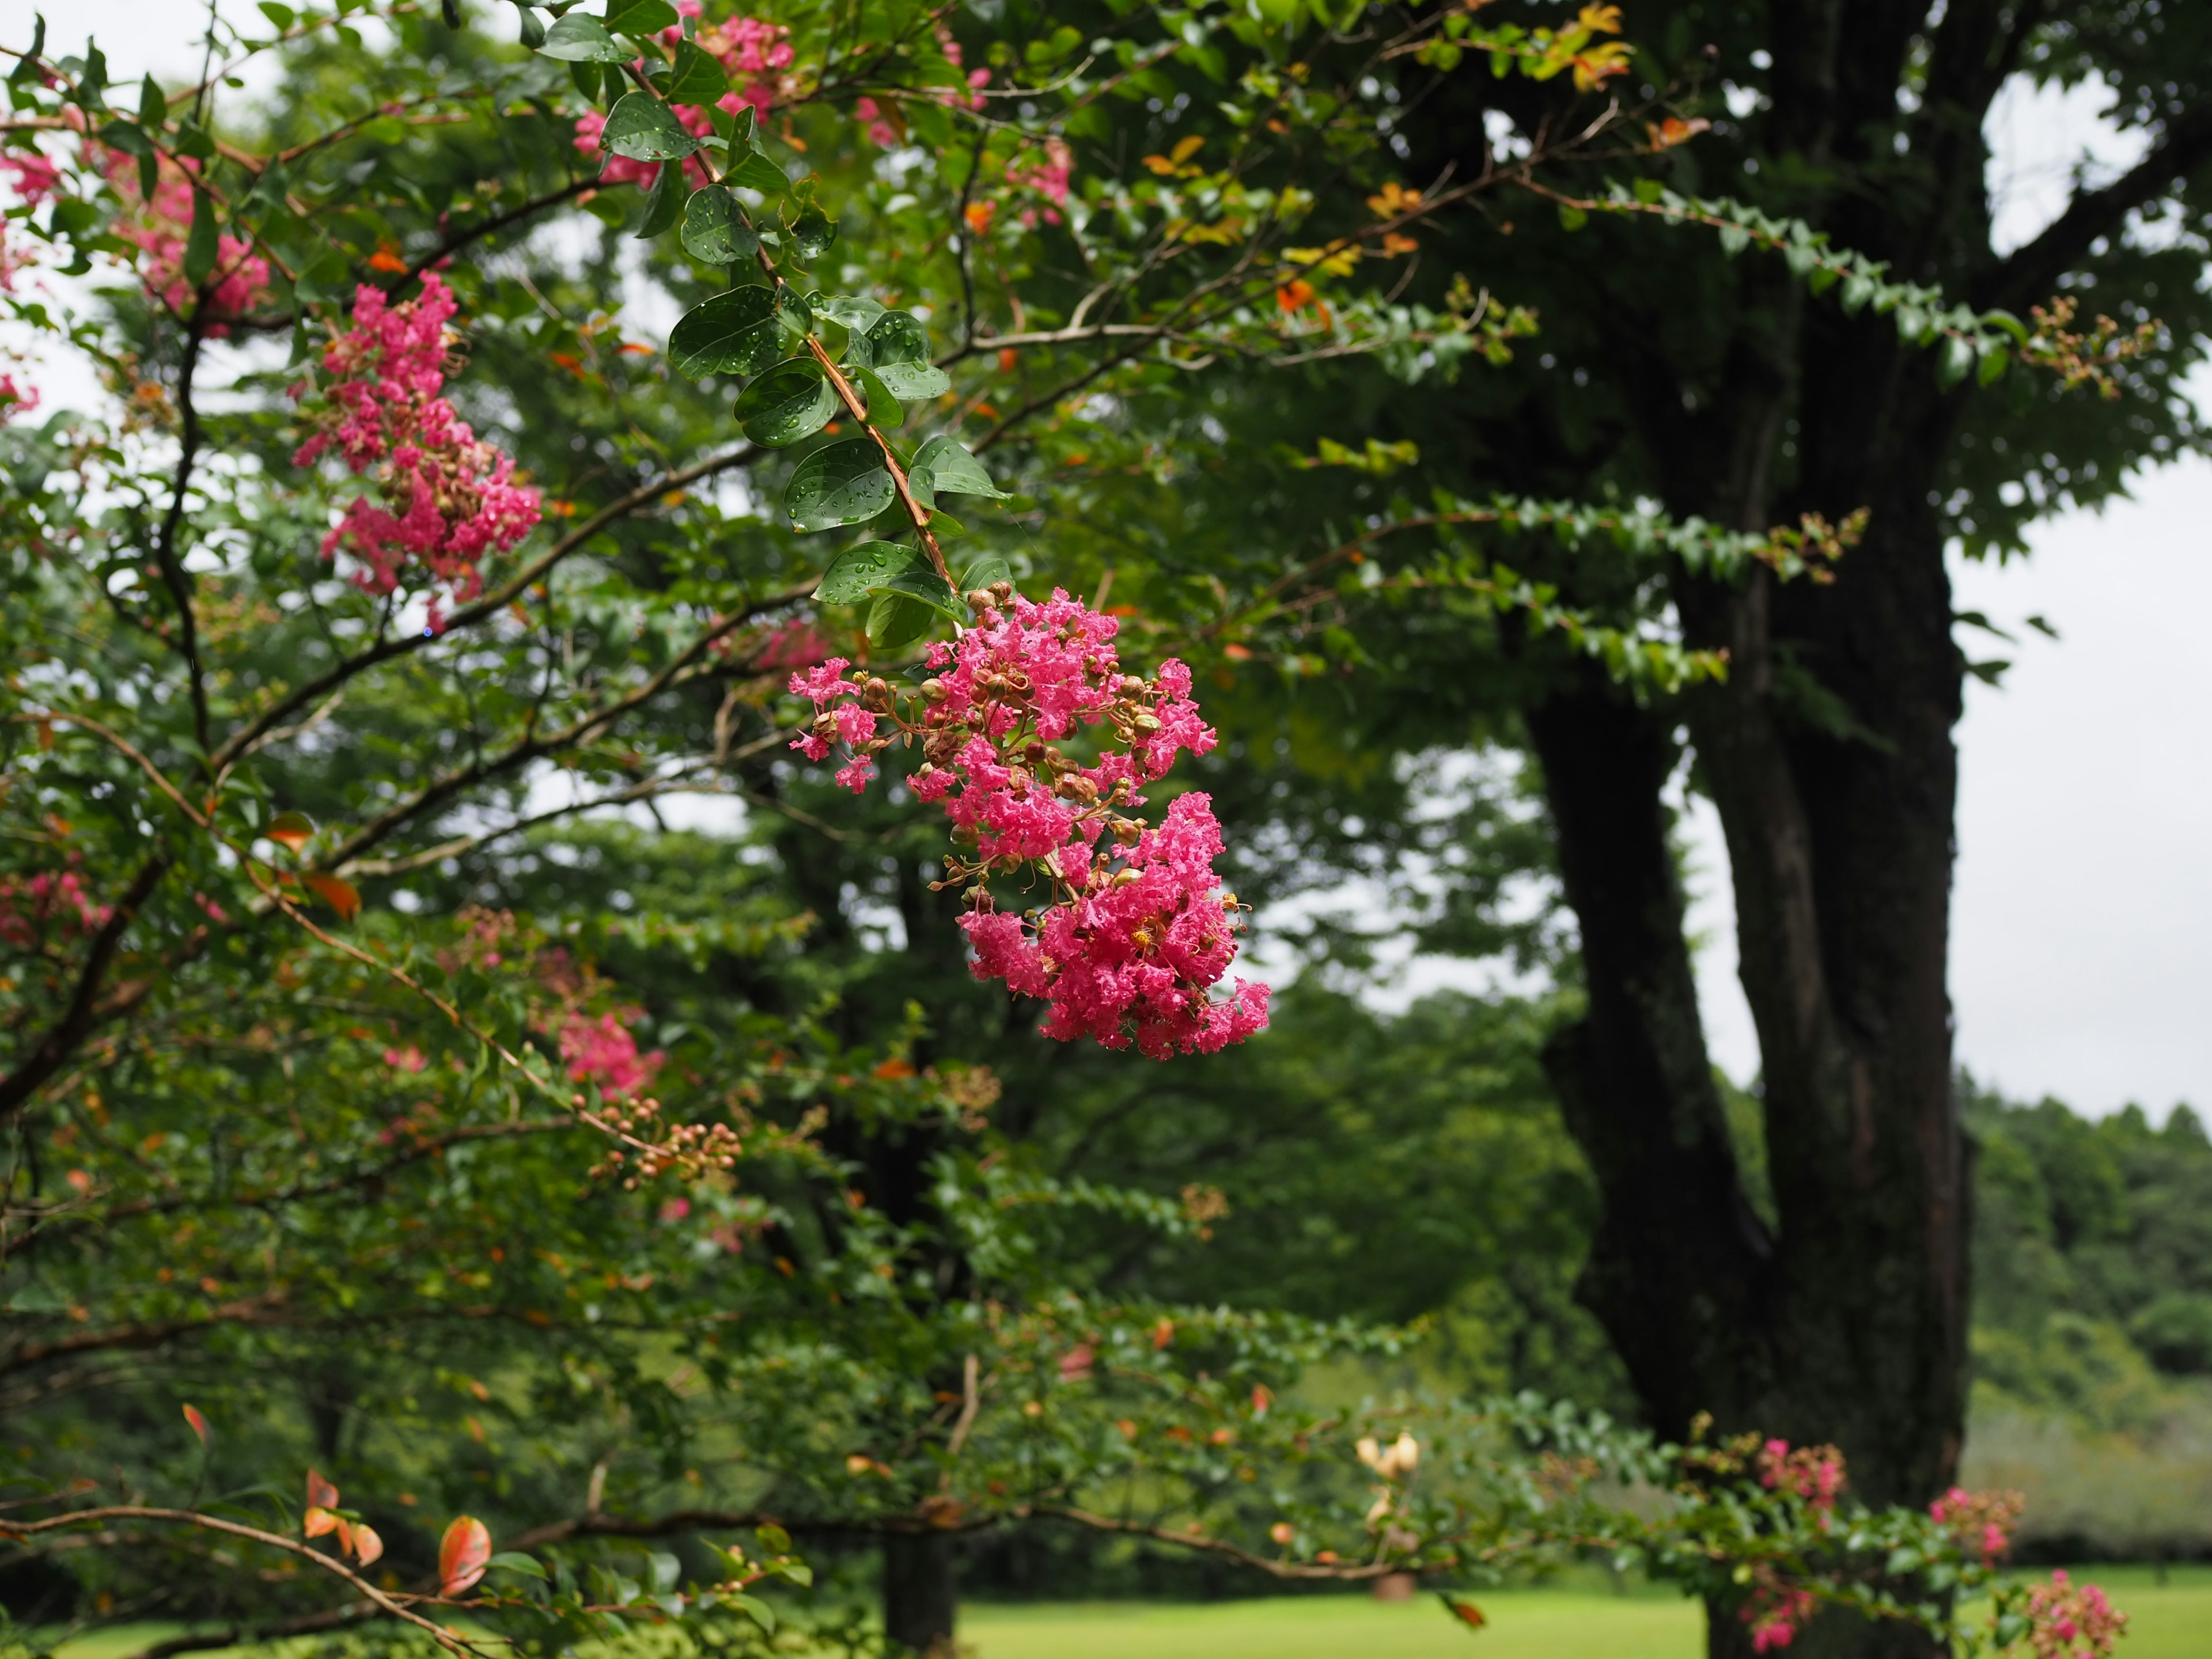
(646, 1147)
(1137, 931)
(1980, 1521)
(1815, 1473)
(448, 499)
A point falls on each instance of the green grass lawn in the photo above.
(2169, 1621)
(1581, 1620)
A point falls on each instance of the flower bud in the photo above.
(978, 600)
(935, 691)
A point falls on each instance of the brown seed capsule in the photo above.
(1034, 752)
(1002, 591)
(978, 600)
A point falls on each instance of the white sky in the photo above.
(2082, 927)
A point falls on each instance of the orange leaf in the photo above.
(1466, 1612)
(1163, 1334)
(341, 896)
(1295, 296)
(463, 1554)
(978, 214)
(320, 1521)
(891, 1070)
(365, 1544)
(200, 1426)
(292, 830)
(321, 1495)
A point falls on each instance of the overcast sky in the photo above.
(2082, 928)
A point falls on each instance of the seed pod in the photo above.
(978, 600)
(935, 691)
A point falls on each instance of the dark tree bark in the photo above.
(919, 1598)
(1738, 397)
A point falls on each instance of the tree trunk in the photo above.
(920, 1599)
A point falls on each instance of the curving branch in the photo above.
(2033, 271)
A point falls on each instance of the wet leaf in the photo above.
(792, 400)
(841, 483)
(644, 128)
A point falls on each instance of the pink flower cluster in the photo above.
(1048, 177)
(1776, 1611)
(602, 1051)
(1980, 1521)
(36, 181)
(2066, 1620)
(752, 53)
(1139, 932)
(1815, 1473)
(159, 230)
(39, 908)
(456, 498)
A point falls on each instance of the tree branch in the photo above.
(2033, 271)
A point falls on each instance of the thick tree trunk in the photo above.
(919, 1601)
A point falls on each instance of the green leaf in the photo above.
(1572, 217)
(644, 128)
(282, 15)
(839, 485)
(986, 570)
(897, 619)
(1957, 357)
(897, 337)
(532, 31)
(759, 1611)
(517, 1561)
(792, 400)
(637, 18)
(772, 1539)
(715, 230)
(866, 567)
(152, 107)
(1649, 190)
(812, 233)
(948, 466)
(662, 206)
(325, 279)
(125, 136)
(915, 382)
(883, 407)
(200, 246)
(576, 38)
(855, 311)
(698, 79)
(756, 172)
(1996, 358)
(920, 581)
(738, 331)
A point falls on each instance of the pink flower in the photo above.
(410, 1059)
(1048, 177)
(1815, 1473)
(13, 399)
(752, 53)
(1138, 933)
(45, 908)
(456, 498)
(159, 230)
(1776, 1611)
(2067, 1620)
(602, 1052)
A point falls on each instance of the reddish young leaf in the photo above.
(463, 1554)
(1466, 1611)
(322, 1499)
(341, 896)
(365, 1544)
(291, 829)
(200, 1426)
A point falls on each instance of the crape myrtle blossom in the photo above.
(1137, 931)
(602, 1052)
(46, 907)
(448, 500)
(2067, 1620)
(1981, 1520)
(753, 54)
(159, 229)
